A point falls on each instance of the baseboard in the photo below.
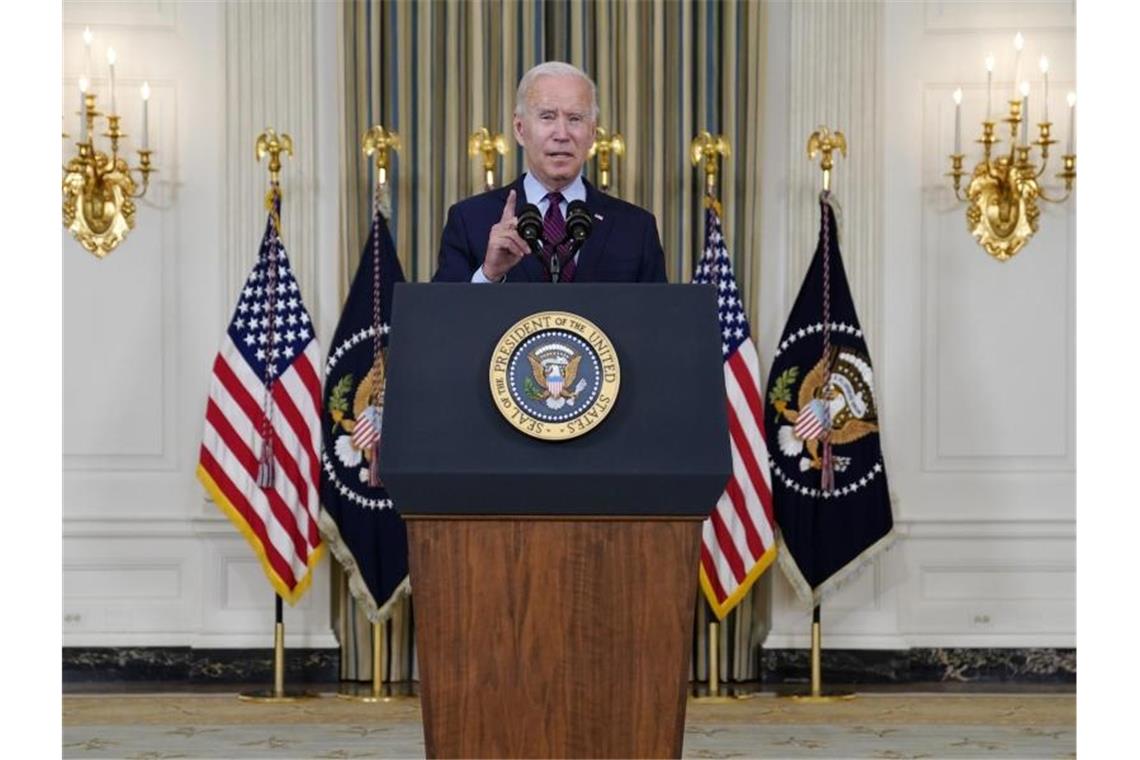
(922, 665)
(181, 664)
(777, 666)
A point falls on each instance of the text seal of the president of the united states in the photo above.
(554, 375)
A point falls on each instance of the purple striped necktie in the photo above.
(554, 229)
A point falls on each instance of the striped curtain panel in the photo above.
(435, 71)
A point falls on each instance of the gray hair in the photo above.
(553, 69)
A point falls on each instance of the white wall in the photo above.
(975, 357)
(148, 560)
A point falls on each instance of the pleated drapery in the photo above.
(435, 71)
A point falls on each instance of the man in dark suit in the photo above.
(556, 114)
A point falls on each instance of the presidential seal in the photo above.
(554, 375)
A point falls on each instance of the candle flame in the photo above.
(111, 56)
(1044, 64)
(84, 84)
(1018, 42)
(1072, 98)
(958, 96)
(990, 63)
(88, 37)
(145, 90)
(1025, 89)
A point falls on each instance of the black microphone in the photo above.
(530, 225)
(579, 223)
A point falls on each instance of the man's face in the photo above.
(556, 129)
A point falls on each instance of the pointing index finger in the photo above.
(509, 209)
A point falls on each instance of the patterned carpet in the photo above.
(156, 727)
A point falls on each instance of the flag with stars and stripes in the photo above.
(829, 482)
(737, 541)
(260, 453)
(364, 531)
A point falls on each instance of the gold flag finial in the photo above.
(490, 146)
(273, 144)
(377, 142)
(707, 148)
(604, 146)
(823, 141)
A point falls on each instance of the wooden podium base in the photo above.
(553, 637)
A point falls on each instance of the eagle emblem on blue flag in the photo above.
(829, 480)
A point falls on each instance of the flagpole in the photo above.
(271, 144)
(374, 691)
(278, 693)
(704, 150)
(823, 141)
(377, 142)
(714, 694)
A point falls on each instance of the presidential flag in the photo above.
(737, 542)
(259, 457)
(365, 533)
(830, 484)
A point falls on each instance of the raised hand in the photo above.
(505, 247)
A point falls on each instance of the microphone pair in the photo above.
(579, 225)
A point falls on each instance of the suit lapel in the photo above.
(591, 253)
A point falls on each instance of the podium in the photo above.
(554, 581)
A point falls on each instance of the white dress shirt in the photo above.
(536, 193)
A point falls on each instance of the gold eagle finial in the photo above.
(269, 142)
(823, 141)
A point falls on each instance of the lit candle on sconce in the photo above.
(111, 58)
(1018, 44)
(88, 38)
(1044, 63)
(958, 120)
(1072, 121)
(145, 92)
(1025, 113)
(989, 86)
(83, 85)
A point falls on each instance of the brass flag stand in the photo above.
(271, 144)
(373, 692)
(705, 149)
(278, 693)
(823, 142)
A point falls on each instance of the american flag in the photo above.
(266, 383)
(738, 539)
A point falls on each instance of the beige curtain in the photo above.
(435, 71)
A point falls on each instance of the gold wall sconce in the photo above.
(490, 147)
(606, 146)
(99, 191)
(1002, 195)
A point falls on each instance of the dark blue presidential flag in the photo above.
(829, 484)
(365, 533)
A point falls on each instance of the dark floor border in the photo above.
(777, 666)
(900, 666)
(177, 664)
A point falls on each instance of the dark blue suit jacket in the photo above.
(623, 247)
